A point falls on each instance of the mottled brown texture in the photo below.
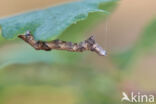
(88, 44)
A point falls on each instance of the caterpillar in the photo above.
(87, 45)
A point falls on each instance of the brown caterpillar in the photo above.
(89, 44)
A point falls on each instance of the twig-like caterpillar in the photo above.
(88, 44)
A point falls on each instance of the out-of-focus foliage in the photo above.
(148, 39)
(49, 23)
(145, 43)
(23, 55)
(38, 81)
(1, 38)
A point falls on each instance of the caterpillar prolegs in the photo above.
(89, 44)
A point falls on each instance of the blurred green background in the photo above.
(129, 36)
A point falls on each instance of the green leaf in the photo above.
(146, 43)
(48, 24)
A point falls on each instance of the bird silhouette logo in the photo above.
(125, 97)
